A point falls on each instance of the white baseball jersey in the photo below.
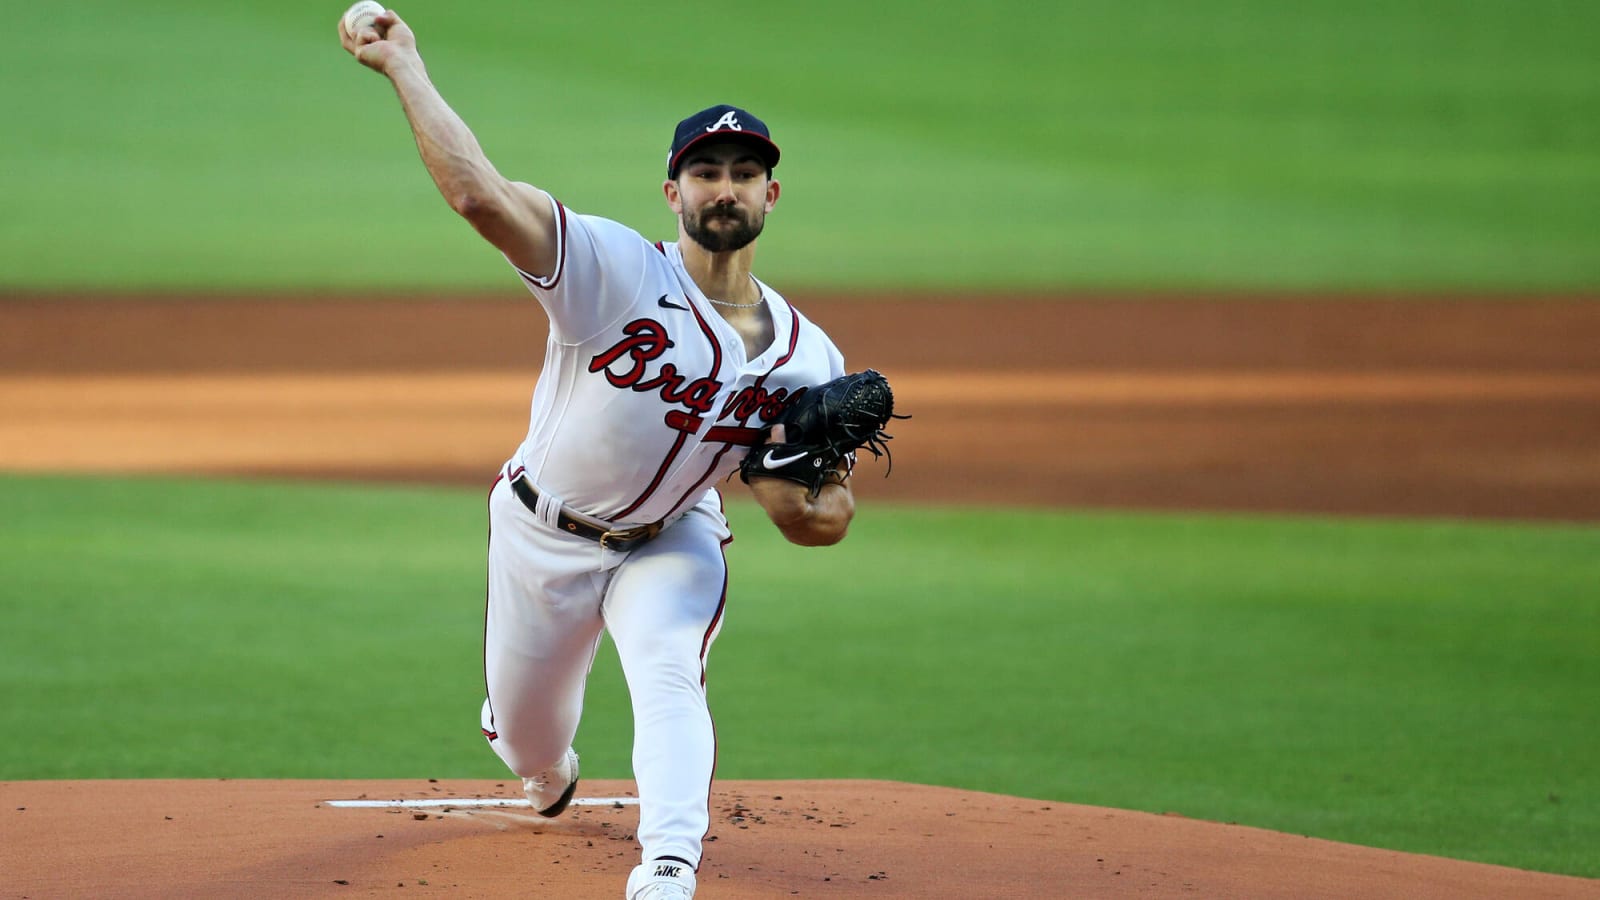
(646, 400)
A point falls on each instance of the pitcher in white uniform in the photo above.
(665, 364)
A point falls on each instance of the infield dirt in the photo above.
(1404, 407)
(1434, 407)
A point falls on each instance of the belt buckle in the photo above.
(626, 537)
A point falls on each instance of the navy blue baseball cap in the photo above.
(721, 123)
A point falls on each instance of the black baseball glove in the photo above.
(823, 428)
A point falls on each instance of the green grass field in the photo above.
(1227, 144)
(1425, 686)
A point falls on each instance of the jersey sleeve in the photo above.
(836, 367)
(599, 271)
(831, 351)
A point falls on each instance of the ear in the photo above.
(674, 199)
(773, 190)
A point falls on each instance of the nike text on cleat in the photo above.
(661, 879)
(770, 462)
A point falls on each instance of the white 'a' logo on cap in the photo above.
(730, 119)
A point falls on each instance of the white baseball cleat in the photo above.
(551, 790)
(661, 879)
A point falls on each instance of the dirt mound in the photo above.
(769, 839)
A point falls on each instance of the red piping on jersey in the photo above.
(722, 603)
(754, 433)
(697, 486)
(490, 733)
(656, 481)
(561, 251)
(794, 341)
(661, 472)
(705, 649)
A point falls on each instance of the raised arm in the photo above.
(518, 219)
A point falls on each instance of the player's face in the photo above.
(723, 195)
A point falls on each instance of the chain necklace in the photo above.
(760, 301)
(738, 305)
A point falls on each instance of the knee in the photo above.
(527, 755)
(523, 746)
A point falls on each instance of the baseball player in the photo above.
(665, 364)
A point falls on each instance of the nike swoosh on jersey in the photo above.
(664, 303)
(769, 462)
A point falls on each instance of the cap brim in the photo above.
(763, 145)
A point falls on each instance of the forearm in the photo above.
(452, 154)
(804, 519)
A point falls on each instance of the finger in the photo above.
(368, 29)
(377, 26)
(385, 22)
(777, 435)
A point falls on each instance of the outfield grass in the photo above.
(1231, 143)
(1426, 686)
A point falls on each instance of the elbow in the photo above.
(478, 199)
(471, 205)
(819, 530)
(813, 536)
(802, 519)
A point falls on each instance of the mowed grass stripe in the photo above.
(1417, 685)
(1236, 144)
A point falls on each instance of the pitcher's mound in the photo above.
(768, 839)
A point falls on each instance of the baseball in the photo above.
(360, 16)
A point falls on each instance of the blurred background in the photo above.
(1317, 280)
(1250, 145)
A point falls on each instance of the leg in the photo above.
(542, 625)
(663, 611)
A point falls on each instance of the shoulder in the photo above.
(603, 229)
(592, 245)
(782, 307)
(806, 336)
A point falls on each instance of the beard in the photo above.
(735, 230)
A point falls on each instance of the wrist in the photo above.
(403, 64)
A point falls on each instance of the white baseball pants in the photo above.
(550, 595)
